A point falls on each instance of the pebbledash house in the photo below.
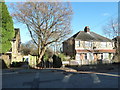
(86, 46)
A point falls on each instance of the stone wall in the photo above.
(5, 61)
(17, 58)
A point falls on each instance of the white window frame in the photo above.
(103, 44)
(77, 43)
(87, 44)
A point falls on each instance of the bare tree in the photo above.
(29, 48)
(111, 29)
(47, 22)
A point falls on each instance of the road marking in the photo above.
(37, 75)
(35, 82)
(95, 78)
(66, 78)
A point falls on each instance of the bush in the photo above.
(48, 54)
(3, 64)
(57, 63)
(62, 56)
(46, 57)
(17, 64)
(116, 58)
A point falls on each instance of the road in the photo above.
(59, 79)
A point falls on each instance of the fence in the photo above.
(32, 61)
(86, 62)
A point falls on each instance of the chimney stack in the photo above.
(87, 29)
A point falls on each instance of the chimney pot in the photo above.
(87, 29)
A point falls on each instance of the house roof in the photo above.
(17, 30)
(91, 36)
(87, 35)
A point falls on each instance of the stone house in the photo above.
(89, 46)
(15, 50)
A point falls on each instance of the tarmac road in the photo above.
(58, 79)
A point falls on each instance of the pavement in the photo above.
(21, 70)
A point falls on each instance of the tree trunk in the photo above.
(42, 52)
(38, 52)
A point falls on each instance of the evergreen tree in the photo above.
(6, 29)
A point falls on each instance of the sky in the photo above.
(92, 14)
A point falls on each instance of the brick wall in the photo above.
(69, 47)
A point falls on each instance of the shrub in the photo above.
(3, 64)
(17, 64)
(57, 63)
(62, 56)
(46, 57)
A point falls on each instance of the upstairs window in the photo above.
(103, 44)
(77, 43)
(87, 44)
(110, 44)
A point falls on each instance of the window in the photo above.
(110, 56)
(87, 44)
(77, 43)
(110, 44)
(85, 55)
(101, 55)
(105, 55)
(103, 44)
(77, 56)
